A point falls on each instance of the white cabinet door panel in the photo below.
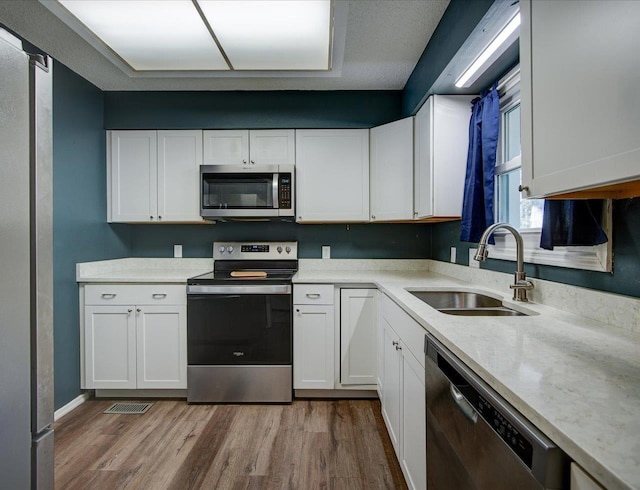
(391, 385)
(161, 346)
(358, 330)
(332, 175)
(313, 347)
(133, 169)
(179, 160)
(110, 347)
(226, 147)
(392, 171)
(272, 147)
(414, 430)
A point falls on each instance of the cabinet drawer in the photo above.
(313, 294)
(410, 331)
(135, 294)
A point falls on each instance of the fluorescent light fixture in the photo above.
(491, 52)
(151, 34)
(272, 34)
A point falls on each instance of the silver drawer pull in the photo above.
(313, 295)
(108, 295)
(159, 295)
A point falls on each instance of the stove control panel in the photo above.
(255, 250)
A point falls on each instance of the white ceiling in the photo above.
(384, 41)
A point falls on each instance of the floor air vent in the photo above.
(128, 408)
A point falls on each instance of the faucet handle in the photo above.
(522, 284)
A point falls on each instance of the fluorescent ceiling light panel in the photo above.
(499, 44)
(272, 34)
(151, 34)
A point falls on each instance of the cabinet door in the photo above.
(161, 346)
(313, 347)
(133, 182)
(413, 455)
(226, 147)
(179, 160)
(358, 332)
(272, 147)
(332, 175)
(392, 171)
(110, 347)
(441, 146)
(391, 384)
(581, 480)
(576, 72)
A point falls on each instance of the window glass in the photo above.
(512, 133)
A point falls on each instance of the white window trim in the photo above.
(597, 258)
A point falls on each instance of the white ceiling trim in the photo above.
(340, 10)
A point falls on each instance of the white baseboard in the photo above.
(75, 403)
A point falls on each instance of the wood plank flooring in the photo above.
(310, 444)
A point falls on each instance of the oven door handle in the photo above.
(265, 289)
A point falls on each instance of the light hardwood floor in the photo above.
(311, 444)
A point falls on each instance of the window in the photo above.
(526, 214)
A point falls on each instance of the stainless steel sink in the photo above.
(456, 299)
(464, 303)
(504, 311)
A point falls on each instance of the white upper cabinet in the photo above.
(249, 147)
(133, 169)
(332, 175)
(579, 86)
(179, 160)
(391, 168)
(153, 176)
(441, 143)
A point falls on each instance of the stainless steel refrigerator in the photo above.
(26, 268)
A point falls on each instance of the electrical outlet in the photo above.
(453, 255)
(473, 262)
(177, 251)
(326, 252)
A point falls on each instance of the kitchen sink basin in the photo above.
(464, 303)
(456, 299)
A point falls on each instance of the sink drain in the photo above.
(128, 408)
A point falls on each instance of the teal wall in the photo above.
(80, 231)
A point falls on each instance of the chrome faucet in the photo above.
(520, 284)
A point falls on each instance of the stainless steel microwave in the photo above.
(259, 191)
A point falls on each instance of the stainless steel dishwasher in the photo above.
(476, 440)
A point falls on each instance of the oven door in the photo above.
(232, 191)
(239, 325)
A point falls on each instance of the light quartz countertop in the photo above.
(572, 367)
(575, 378)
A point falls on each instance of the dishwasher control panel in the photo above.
(507, 432)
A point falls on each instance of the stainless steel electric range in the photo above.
(240, 325)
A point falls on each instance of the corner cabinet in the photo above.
(332, 175)
(392, 171)
(441, 141)
(578, 71)
(249, 147)
(358, 342)
(134, 336)
(153, 176)
(403, 389)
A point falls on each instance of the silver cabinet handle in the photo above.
(398, 347)
(151, 217)
(129, 310)
(159, 217)
(108, 295)
(297, 310)
(159, 295)
(313, 295)
(373, 216)
(244, 161)
(252, 162)
(465, 407)
(393, 342)
(138, 310)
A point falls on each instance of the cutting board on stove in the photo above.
(248, 274)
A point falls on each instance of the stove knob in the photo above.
(279, 249)
(221, 250)
(288, 249)
(230, 249)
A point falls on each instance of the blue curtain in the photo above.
(477, 207)
(571, 223)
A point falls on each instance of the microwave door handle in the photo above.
(276, 201)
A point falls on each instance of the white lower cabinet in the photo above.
(129, 345)
(358, 329)
(313, 336)
(403, 390)
(581, 480)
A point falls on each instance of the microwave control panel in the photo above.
(284, 190)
